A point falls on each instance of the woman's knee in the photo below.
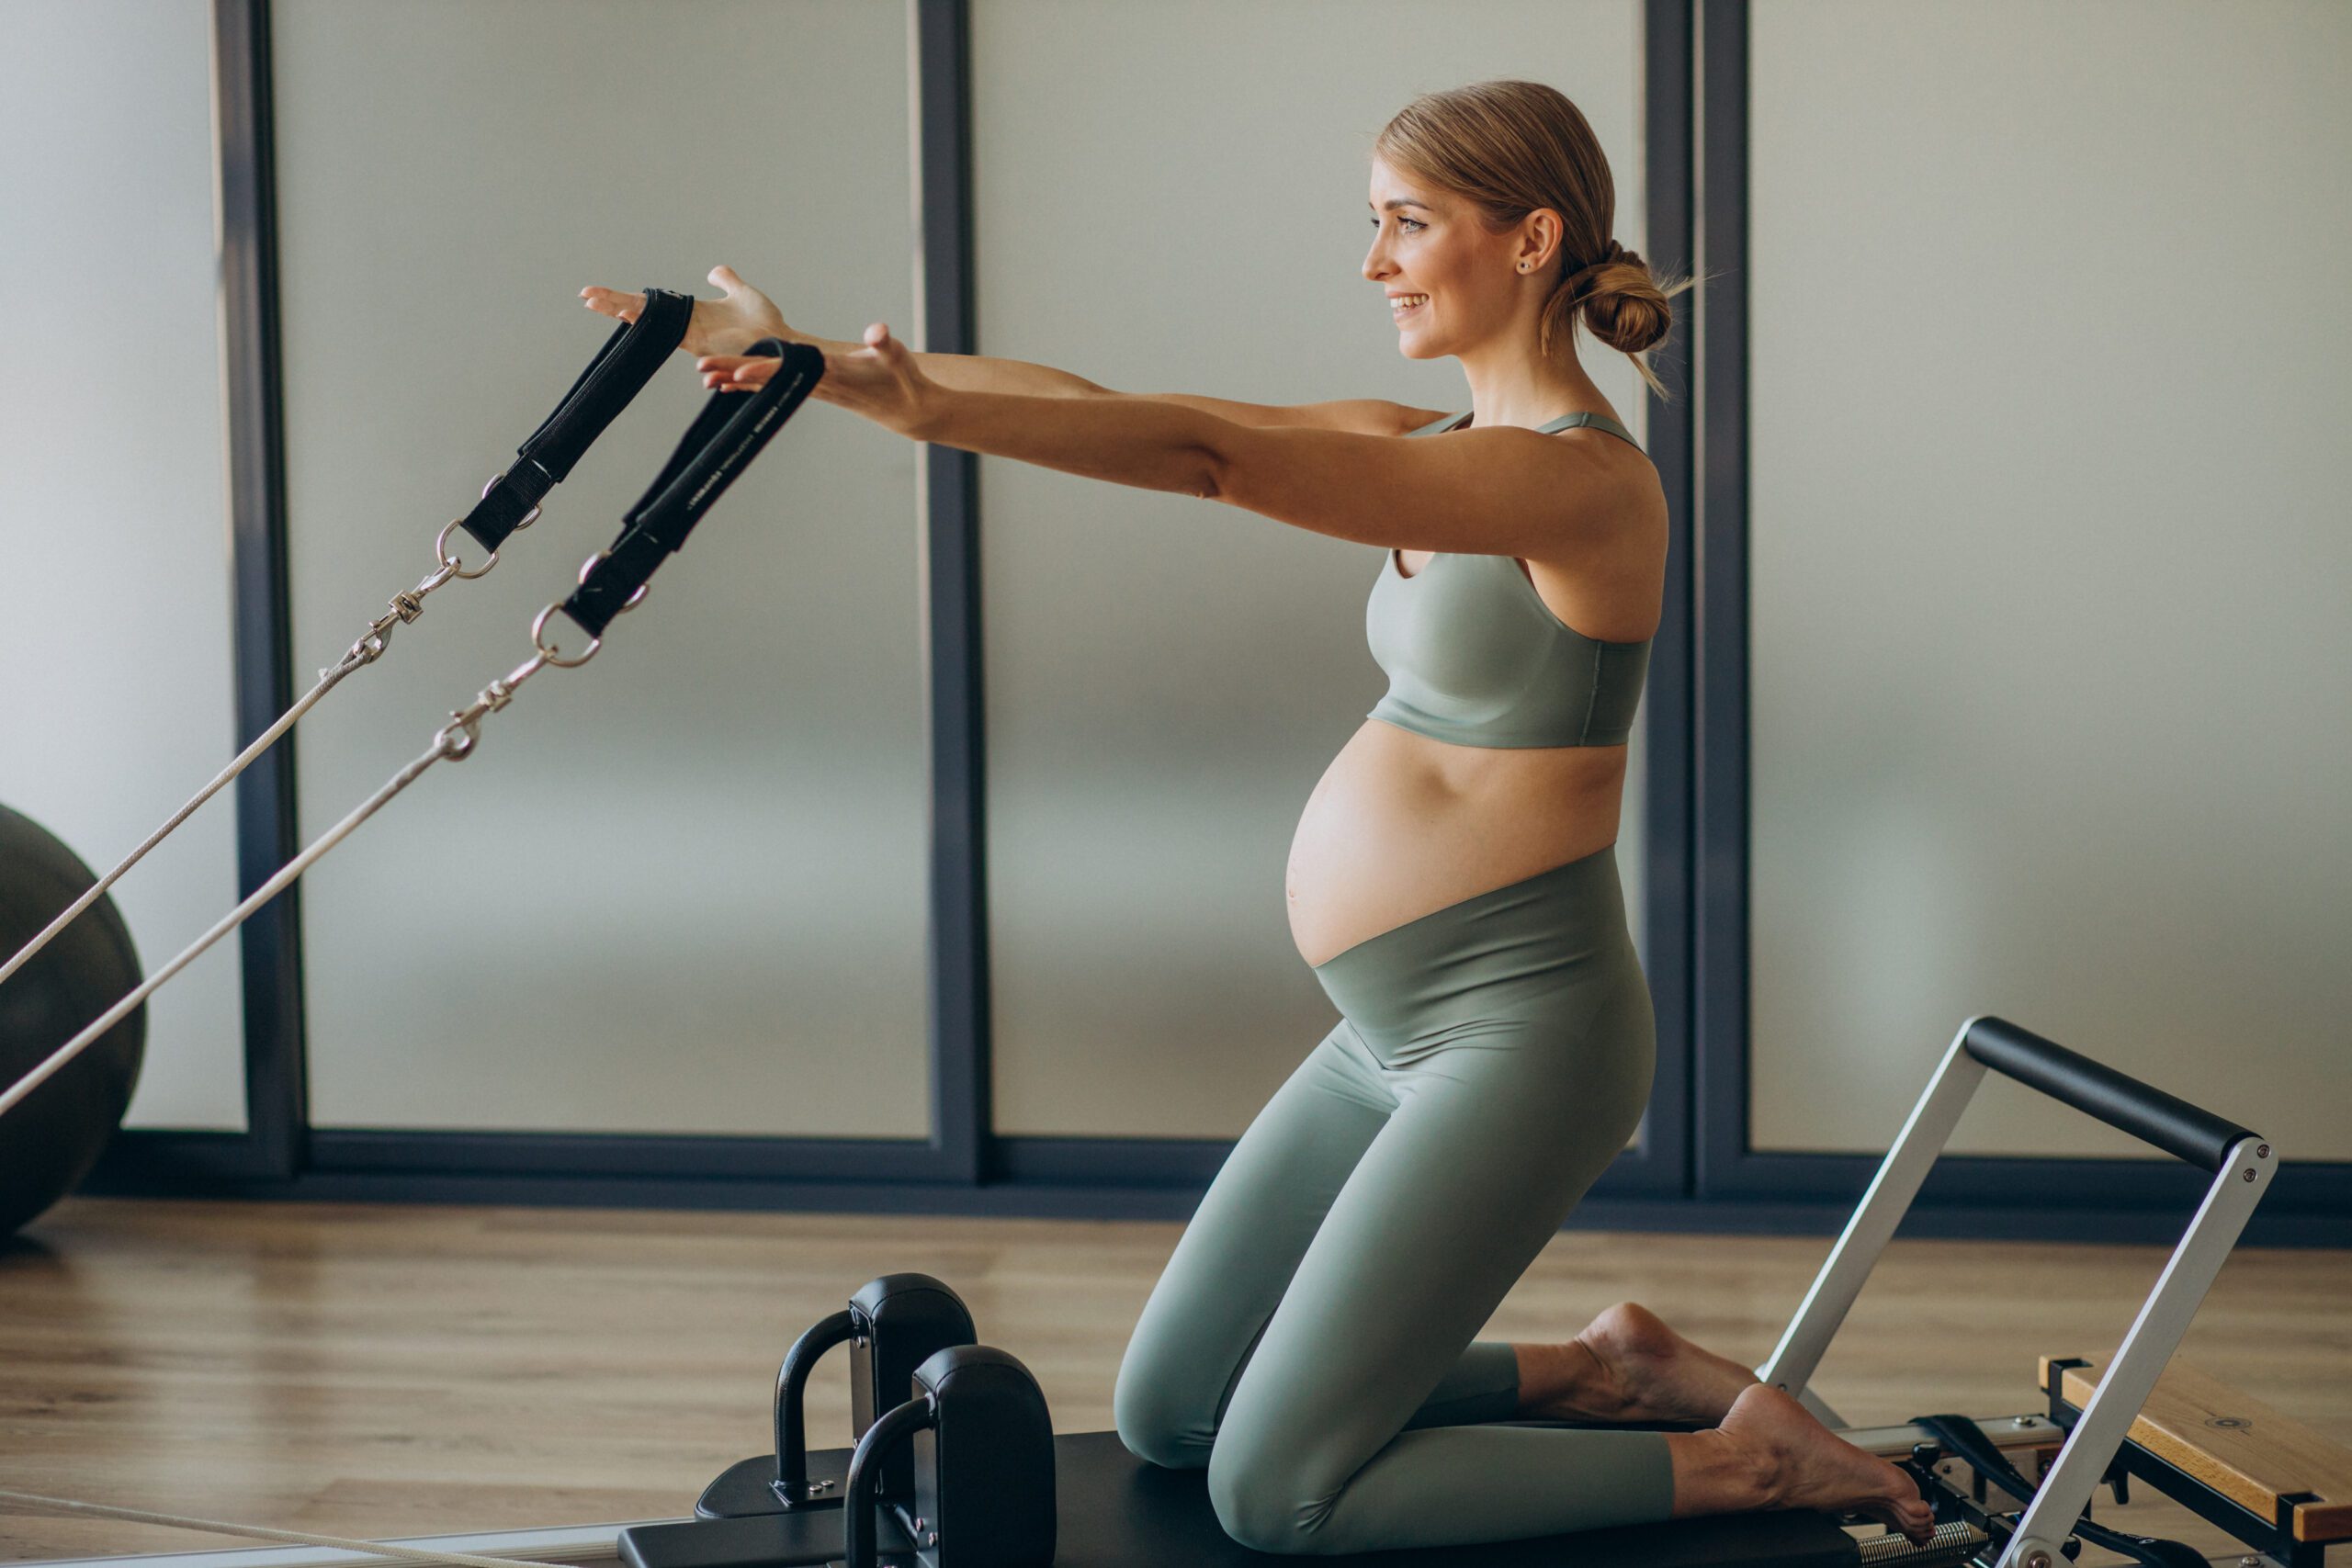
(1157, 1417)
(1265, 1500)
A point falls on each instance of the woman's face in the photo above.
(1430, 245)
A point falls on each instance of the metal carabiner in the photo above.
(450, 563)
(551, 655)
(456, 739)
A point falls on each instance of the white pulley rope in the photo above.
(259, 1532)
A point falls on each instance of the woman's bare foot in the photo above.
(728, 325)
(1628, 1365)
(1800, 1464)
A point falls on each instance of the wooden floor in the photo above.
(378, 1371)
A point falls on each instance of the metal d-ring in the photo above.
(550, 654)
(456, 567)
(632, 602)
(528, 517)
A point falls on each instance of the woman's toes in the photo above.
(1815, 1468)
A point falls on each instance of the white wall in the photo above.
(679, 888)
(115, 669)
(2052, 711)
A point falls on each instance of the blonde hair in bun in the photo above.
(1509, 148)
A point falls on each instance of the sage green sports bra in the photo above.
(1474, 656)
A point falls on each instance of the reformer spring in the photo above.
(721, 442)
(509, 503)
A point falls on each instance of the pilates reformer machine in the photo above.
(956, 1463)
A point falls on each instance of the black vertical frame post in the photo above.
(957, 963)
(1719, 774)
(1667, 719)
(269, 943)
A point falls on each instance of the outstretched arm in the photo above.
(730, 324)
(1491, 491)
(721, 329)
(1143, 442)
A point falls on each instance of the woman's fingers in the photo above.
(753, 305)
(736, 373)
(612, 302)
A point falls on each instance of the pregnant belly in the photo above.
(1400, 826)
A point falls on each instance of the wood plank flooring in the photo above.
(376, 1372)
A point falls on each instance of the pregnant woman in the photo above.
(1453, 883)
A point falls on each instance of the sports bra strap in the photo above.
(1566, 422)
(1597, 421)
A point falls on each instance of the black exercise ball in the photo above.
(49, 1143)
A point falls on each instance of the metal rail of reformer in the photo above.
(2239, 1161)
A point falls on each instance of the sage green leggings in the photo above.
(1310, 1340)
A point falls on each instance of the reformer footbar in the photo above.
(1111, 1510)
(721, 442)
(2241, 1162)
(509, 503)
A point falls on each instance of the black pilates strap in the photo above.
(619, 371)
(1965, 1440)
(718, 445)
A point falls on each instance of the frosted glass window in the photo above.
(115, 657)
(679, 889)
(1172, 199)
(2051, 716)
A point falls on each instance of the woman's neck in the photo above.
(1514, 390)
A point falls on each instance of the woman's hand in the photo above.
(880, 381)
(718, 326)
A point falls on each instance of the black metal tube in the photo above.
(268, 828)
(861, 1509)
(2117, 1099)
(791, 1383)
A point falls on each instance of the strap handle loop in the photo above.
(718, 445)
(617, 374)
